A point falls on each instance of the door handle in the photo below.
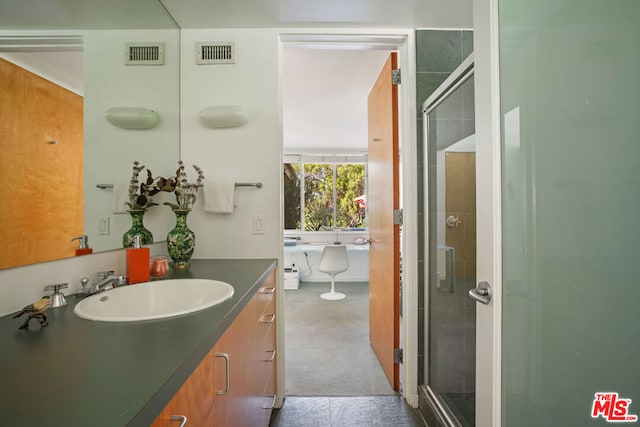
(227, 359)
(181, 418)
(482, 293)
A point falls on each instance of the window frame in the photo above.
(333, 160)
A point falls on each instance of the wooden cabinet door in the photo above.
(235, 355)
(195, 399)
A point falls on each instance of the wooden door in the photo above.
(382, 199)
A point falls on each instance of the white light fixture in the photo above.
(132, 117)
(224, 116)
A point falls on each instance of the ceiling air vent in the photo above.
(215, 53)
(145, 54)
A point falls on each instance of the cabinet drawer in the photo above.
(267, 292)
(266, 337)
(268, 397)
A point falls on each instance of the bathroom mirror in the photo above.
(101, 31)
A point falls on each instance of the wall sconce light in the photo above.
(224, 116)
(132, 117)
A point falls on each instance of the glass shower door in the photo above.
(451, 196)
(570, 103)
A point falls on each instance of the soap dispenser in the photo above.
(137, 262)
(83, 245)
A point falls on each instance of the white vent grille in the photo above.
(145, 54)
(215, 53)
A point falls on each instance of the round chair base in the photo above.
(332, 296)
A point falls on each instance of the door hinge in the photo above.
(397, 355)
(397, 216)
(396, 78)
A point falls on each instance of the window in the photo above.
(324, 196)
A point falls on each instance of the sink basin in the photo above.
(154, 300)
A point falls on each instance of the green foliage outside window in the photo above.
(321, 210)
(292, 196)
(349, 186)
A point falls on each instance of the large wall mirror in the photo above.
(63, 66)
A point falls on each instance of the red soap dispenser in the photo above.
(83, 245)
(137, 262)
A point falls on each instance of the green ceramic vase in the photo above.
(181, 241)
(137, 227)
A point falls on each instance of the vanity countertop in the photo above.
(77, 372)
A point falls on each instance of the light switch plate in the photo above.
(103, 225)
(258, 224)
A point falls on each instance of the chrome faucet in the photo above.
(108, 281)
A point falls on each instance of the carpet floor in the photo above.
(327, 343)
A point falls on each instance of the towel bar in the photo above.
(238, 184)
(249, 184)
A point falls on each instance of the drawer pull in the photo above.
(273, 402)
(180, 418)
(228, 363)
(268, 318)
(267, 290)
(273, 356)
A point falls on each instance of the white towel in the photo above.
(120, 196)
(219, 196)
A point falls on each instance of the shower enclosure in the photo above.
(450, 248)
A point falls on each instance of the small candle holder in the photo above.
(159, 267)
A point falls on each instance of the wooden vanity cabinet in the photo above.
(266, 363)
(250, 345)
(195, 399)
(235, 384)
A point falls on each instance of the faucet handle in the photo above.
(84, 282)
(105, 274)
(55, 288)
(57, 298)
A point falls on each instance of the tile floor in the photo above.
(365, 411)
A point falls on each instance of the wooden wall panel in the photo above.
(41, 184)
(461, 203)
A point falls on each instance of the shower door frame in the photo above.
(488, 250)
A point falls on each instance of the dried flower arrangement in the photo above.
(184, 191)
(140, 193)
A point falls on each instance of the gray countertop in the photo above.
(77, 372)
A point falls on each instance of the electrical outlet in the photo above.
(258, 224)
(103, 225)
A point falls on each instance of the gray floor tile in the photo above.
(362, 411)
(302, 412)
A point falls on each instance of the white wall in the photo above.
(251, 153)
(110, 151)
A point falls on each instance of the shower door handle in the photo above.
(482, 293)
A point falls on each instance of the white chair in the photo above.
(334, 260)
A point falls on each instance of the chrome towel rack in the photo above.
(238, 184)
(249, 184)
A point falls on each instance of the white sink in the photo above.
(153, 300)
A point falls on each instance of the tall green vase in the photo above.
(137, 228)
(181, 241)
